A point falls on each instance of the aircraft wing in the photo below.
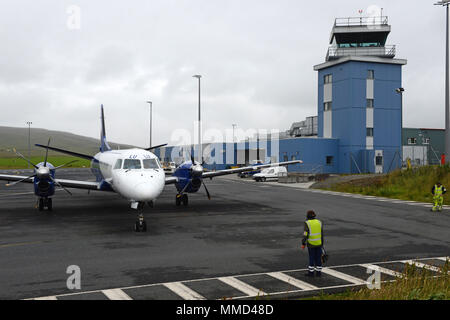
(11, 178)
(171, 180)
(76, 184)
(213, 174)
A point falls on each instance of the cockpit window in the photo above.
(118, 164)
(130, 164)
(150, 164)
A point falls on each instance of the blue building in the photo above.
(359, 110)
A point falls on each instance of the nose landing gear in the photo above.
(140, 225)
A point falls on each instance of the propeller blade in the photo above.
(66, 164)
(21, 156)
(46, 153)
(59, 185)
(206, 189)
(14, 183)
(185, 187)
(156, 147)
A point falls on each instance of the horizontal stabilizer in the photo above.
(75, 154)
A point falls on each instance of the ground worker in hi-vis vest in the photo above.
(313, 238)
(438, 192)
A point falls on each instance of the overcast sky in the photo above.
(256, 58)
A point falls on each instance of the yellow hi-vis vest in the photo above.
(438, 190)
(315, 232)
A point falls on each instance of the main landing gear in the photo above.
(181, 199)
(45, 203)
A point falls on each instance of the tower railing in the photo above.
(361, 21)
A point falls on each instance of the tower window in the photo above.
(370, 132)
(369, 103)
(328, 78)
(329, 160)
(327, 106)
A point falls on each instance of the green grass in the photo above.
(18, 163)
(414, 184)
(416, 284)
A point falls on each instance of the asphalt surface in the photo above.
(246, 228)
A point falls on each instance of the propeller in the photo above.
(196, 172)
(42, 172)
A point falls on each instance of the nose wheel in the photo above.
(140, 225)
(181, 199)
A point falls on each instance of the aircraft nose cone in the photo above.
(145, 192)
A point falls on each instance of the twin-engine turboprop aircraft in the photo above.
(135, 174)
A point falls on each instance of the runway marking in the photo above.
(183, 291)
(46, 298)
(242, 286)
(343, 276)
(291, 280)
(422, 265)
(445, 259)
(382, 270)
(116, 294)
(251, 292)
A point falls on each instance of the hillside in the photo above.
(11, 137)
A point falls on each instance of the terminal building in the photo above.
(358, 127)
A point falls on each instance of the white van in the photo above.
(270, 174)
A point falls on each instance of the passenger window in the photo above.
(131, 164)
(118, 164)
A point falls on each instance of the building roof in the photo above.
(359, 59)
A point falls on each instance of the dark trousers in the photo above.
(315, 259)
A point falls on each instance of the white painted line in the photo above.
(46, 298)
(183, 291)
(444, 258)
(242, 286)
(422, 265)
(342, 276)
(382, 270)
(116, 294)
(293, 281)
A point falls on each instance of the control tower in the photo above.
(357, 99)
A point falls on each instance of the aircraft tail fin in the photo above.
(104, 144)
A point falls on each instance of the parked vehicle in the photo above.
(270, 174)
(251, 173)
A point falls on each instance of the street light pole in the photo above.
(151, 104)
(29, 123)
(446, 3)
(400, 91)
(199, 121)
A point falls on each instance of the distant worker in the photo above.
(438, 192)
(313, 238)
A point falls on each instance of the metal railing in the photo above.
(385, 52)
(361, 21)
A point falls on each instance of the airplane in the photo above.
(135, 174)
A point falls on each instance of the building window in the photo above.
(329, 160)
(412, 141)
(369, 103)
(370, 132)
(327, 106)
(293, 158)
(371, 74)
(426, 140)
(285, 158)
(379, 160)
(328, 79)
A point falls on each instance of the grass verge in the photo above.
(412, 185)
(415, 284)
(17, 163)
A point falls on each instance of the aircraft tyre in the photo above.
(41, 204)
(49, 204)
(185, 200)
